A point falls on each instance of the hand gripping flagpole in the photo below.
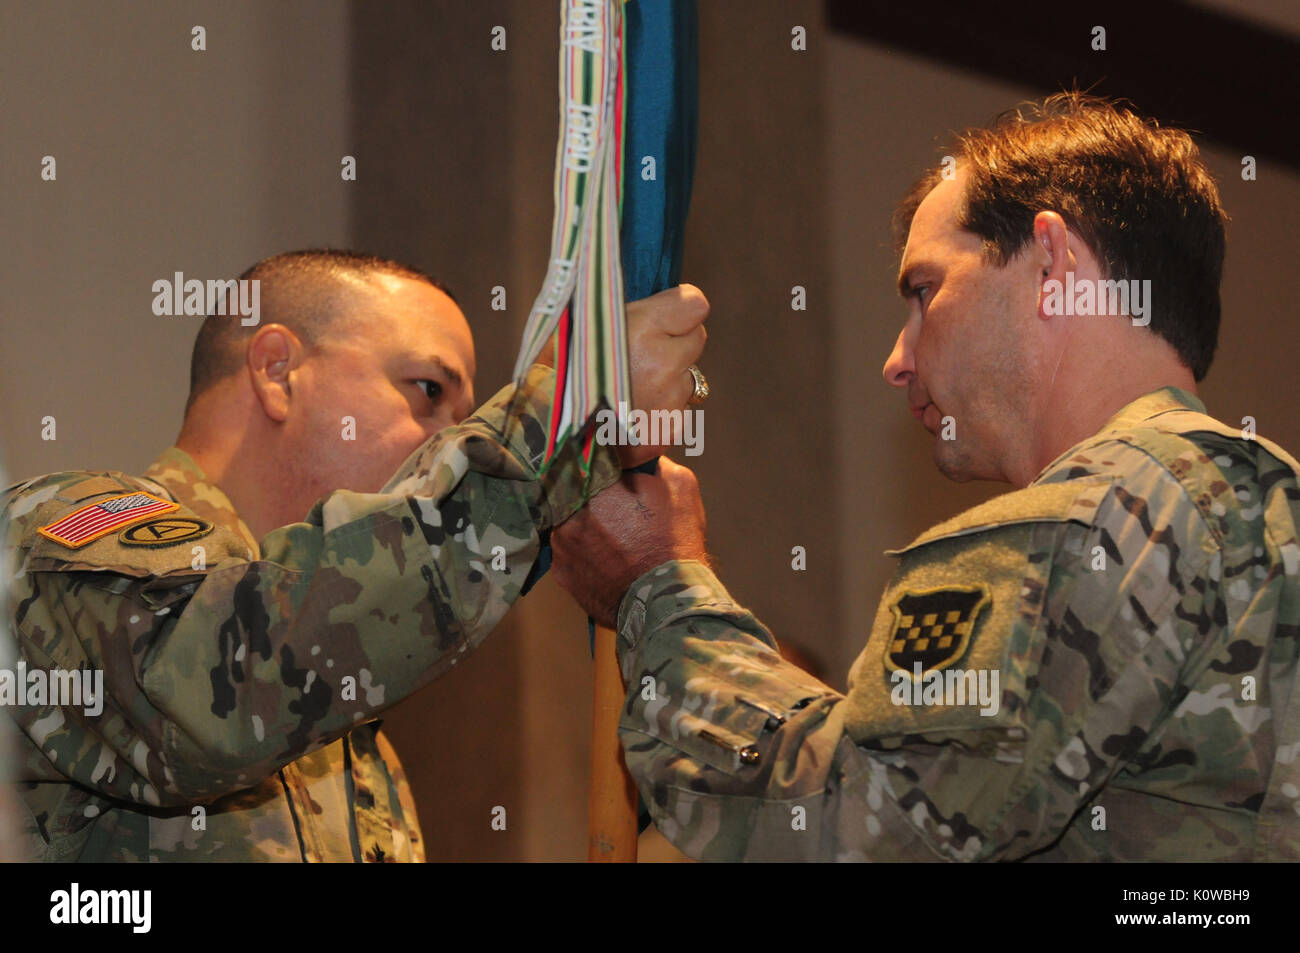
(660, 57)
(624, 167)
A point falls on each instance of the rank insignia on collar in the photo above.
(933, 628)
(99, 519)
(164, 531)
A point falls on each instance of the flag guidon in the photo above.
(98, 519)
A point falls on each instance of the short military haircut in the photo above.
(306, 291)
(1137, 194)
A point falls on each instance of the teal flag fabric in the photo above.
(662, 78)
(662, 109)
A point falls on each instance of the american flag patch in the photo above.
(91, 522)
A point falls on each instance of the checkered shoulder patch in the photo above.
(933, 627)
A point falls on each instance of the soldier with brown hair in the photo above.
(1100, 665)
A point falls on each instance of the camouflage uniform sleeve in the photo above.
(215, 679)
(1063, 598)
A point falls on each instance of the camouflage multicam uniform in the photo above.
(240, 699)
(1139, 602)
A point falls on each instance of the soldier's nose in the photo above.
(899, 368)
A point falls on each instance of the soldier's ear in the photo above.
(274, 353)
(1051, 254)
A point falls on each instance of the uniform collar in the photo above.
(185, 480)
(1147, 407)
(1153, 405)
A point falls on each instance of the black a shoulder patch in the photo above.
(164, 531)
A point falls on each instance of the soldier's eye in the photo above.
(432, 389)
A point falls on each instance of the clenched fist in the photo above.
(665, 337)
(626, 531)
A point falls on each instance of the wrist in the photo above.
(661, 592)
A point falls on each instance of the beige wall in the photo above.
(171, 160)
(168, 160)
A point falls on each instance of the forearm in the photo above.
(396, 589)
(739, 754)
(210, 689)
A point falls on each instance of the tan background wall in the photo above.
(168, 160)
(203, 162)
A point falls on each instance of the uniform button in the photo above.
(749, 755)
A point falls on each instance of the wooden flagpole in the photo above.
(612, 799)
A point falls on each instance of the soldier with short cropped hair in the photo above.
(270, 585)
